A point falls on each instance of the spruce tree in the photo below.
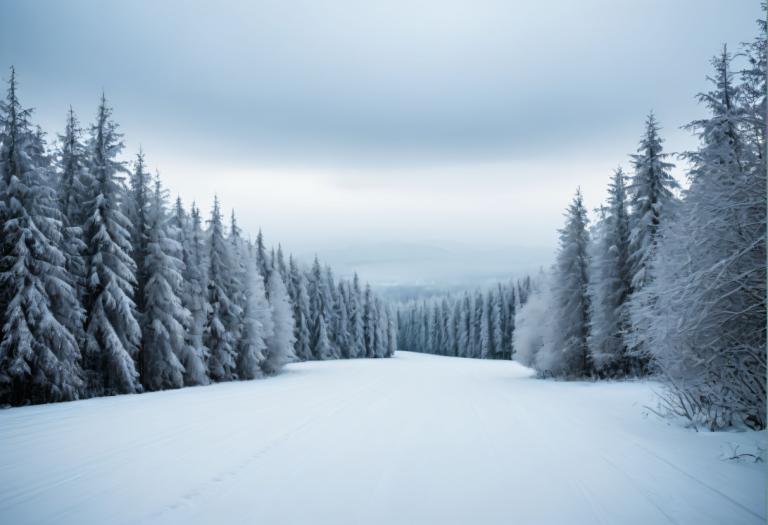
(195, 295)
(569, 356)
(112, 330)
(356, 325)
(74, 189)
(39, 356)
(256, 329)
(280, 344)
(165, 320)
(301, 311)
(318, 304)
(262, 260)
(651, 197)
(191, 290)
(369, 324)
(610, 286)
(222, 311)
(136, 206)
(704, 314)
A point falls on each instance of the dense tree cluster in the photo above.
(671, 280)
(479, 324)
(106, 287)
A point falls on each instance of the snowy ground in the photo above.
(414, 439)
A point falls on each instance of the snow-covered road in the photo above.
(413, 439)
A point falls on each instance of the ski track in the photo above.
(414, 439)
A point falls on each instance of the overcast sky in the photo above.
(355, 127)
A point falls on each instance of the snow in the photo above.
(411, 439)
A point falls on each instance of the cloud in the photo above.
(340, 120)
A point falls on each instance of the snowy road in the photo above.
(414, 439)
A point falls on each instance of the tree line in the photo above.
(107, 287)
(480, 324)
(671, 280)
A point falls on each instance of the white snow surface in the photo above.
(414, 439)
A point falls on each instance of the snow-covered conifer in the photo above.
(356, 326)
(651, 197)
(301, 311)
(610, 286)
(39, 355)
(704, 313)
(569, 355)
(165, 320)
(256, 320)
(112, 330)
(222, 311)
(280, 343)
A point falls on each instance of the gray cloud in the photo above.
(377, 93)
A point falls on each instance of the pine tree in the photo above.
(112, 330)
(610, 286)
(301, 312)
(281, 266)
(195, 294)
(191, 290)
(262, 261)
(485, 350)
(495, 328)
(223, 312)
(74, 187)
(236, 286)
(380, 348)
(39, 356)
(344, 338)
(465, 330)
(369, 324)
(356, 325)
(569, 355)
(456, 327)
(257, 323)
(478, 317)
(392, 333)
(445, 315)
(704, 314)
(165, 345)
(331, 309)
(318, 305)
(136, 206)
(280, 344)
(651, 196)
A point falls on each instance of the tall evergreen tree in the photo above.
(610, 286)
(236, 286)
(136, 206)
(318, 304)
(651, 196)
(569, 355)
(281, 266)
(344, 338)
(73, 188)
(165, 320)
(301, 311)
(356, 325)
(262, 260)
(39, 355)
(191, 290)
(704, 315)
(256, 330)
(494, 321)
(280, 344)
(112, 330)
(222, 312)
(369, 323)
